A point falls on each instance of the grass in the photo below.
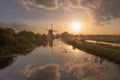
(105, 51)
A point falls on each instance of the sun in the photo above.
(76, 26)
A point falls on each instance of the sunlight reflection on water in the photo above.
(70, 71)
(60, 62)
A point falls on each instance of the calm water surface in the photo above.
(100, 42)
(58, 62)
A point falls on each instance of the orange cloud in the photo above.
(99, 11)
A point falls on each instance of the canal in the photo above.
(58, 61)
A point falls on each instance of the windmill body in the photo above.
(50, 33)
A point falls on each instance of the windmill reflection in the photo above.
(51, 36)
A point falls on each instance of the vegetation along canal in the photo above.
(57, 61)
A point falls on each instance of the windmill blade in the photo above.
(55, 30)
(51, 26)
(47, 29)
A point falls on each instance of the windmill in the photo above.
(50, 35)
(50, 32)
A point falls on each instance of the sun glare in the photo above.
(76, 26)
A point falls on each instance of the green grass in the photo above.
(105, 51)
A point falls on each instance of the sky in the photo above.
(95, 16)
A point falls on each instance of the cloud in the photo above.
(71, 71)
(46, 4)
(99, 11)
(19, 27)
(46, 72)
(88, 71)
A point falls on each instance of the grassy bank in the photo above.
(105, 51)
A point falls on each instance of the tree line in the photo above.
(16, 42)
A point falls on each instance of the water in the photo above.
(101, 42)
(58, 62)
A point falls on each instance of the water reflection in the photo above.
(6, 61)
(100, 42)
(65, 63)
(46, 72)
(97, 60)
(70, 71)
(50, 42)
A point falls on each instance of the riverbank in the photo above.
(104, 38)
(105, 51)
(100, 42)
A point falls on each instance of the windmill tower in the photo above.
(51, 35)
(50, 32)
